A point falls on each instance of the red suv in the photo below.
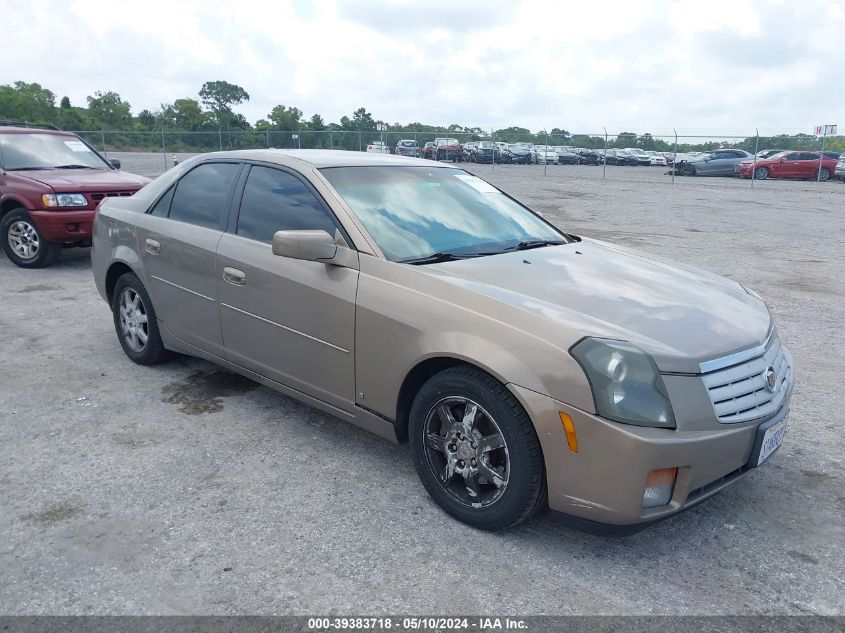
(50, 185)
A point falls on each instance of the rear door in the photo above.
(290, 320)
(177, 241)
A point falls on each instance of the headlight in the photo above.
(627, 387)
(64, 200)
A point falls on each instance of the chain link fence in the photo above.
(596, 154)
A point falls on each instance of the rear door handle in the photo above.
(153, 247)
(234, 276)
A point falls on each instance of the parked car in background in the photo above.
(483, 152)
(378, 147)
(833, 155)
(839, 170)
(467, 150)
(657, 159)
(789, 165)
(722, 162)
(613, 387)
(519, 153)
(621, 157)
(427, 150)
(588, 156)
(407, 147)
(544, 155)
(448, 149)
(565, 155)
(766, 153)
(50, 185)
(642, 157)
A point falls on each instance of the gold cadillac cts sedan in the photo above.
(526, 367)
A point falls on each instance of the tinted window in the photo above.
(809, 156)
(794, 156)
(274, 200)
(201, 194)
(162, 207)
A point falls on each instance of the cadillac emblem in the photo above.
(771, 377)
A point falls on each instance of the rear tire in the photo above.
(475, 449)
(824, 174)
(23, 243)
(135, 322)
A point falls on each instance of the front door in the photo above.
(289, 320)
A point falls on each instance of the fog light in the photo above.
(658, 487)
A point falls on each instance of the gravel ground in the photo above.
(182, 489)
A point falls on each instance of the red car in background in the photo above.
(789, 165)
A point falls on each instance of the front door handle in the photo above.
(153, 247)
(234, 276)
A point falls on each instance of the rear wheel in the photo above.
(135, 322)
(23, 243)
(824, 174)
(475, 449)
(761, 173)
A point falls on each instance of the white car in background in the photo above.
(545, 155)
(656, 158)
(377, 147)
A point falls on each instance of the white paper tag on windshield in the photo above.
(78, 146)
(476, 183)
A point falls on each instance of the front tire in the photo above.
(824, 174)
(135, 322)
(475, 449)
(761, 173)
(23, 243)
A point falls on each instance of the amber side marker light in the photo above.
(659, 486)
(569, 429)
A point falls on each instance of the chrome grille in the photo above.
(739, 391)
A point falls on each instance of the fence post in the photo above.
(821, 156)
(604, 162)
(495, 149)
(220, 136)
(754, 164)
(359, 140)
(103, 139)
(267, 134)
(675, 157)
(545, 158)
(163, 149)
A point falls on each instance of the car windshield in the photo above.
(415, 212)
(47, 151)
(407, 143)
(486, 145)
(447, 141)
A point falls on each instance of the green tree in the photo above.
(219, 97)
(626, 139)
(184, 114)
(109, 111)
(70, 118)
(283, 118)
(27, 102)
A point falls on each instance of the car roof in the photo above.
(324, 157)
(11, 129)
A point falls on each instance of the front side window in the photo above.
(201, 194)
(274, 200)
(414, 212)
(22, 152)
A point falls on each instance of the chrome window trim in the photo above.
(737, 358)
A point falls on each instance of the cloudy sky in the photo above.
(706, 66)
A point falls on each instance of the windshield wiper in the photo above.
(73, 167)
(27, 168)
(528, 244)
(435, 258)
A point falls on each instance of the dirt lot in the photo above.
(183, 489)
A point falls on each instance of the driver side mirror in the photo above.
(114, 163)
(312, 246)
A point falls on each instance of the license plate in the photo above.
(772, 439)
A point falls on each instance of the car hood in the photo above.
(680, 315)
(70, 180)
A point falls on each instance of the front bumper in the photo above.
(64, 226)
(600, 488)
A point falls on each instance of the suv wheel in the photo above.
(135, 322)
(475, 449)
(23, 243)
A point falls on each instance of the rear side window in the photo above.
(202, 193)
(162, 207)
(274, 200)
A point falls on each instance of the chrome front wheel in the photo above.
(466, 452)
(23, 239)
